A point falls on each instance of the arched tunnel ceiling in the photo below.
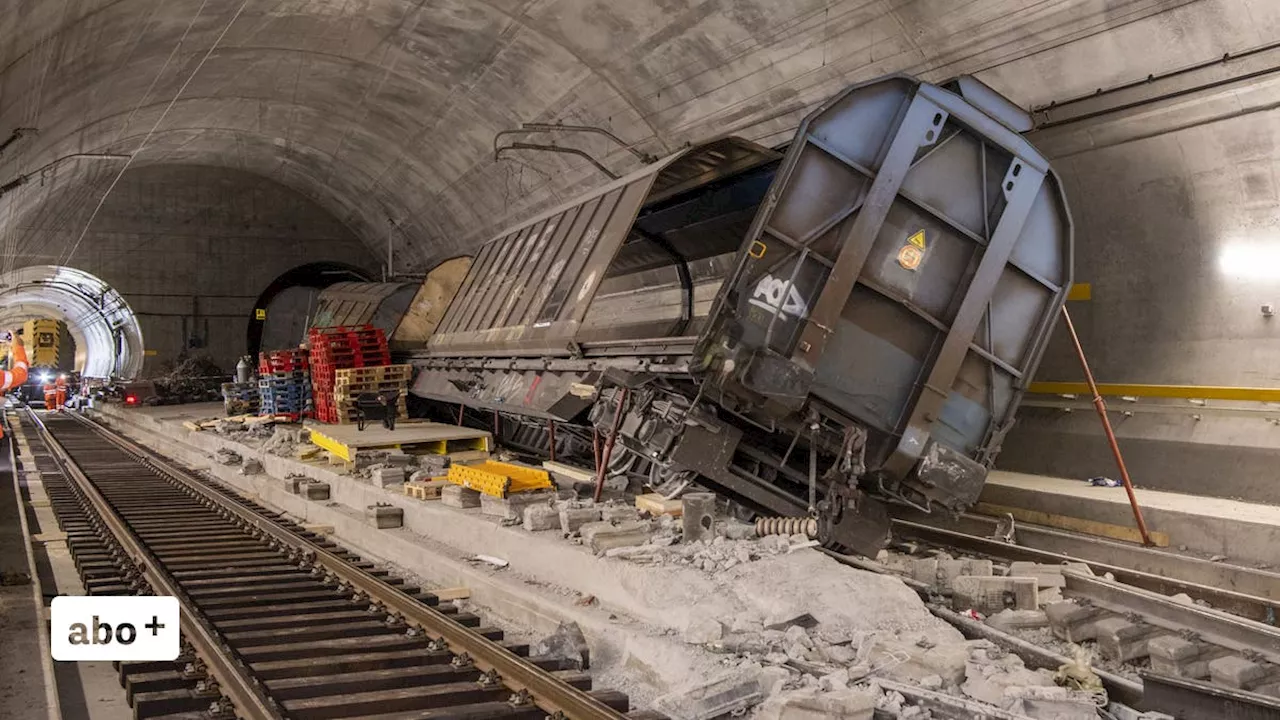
(386, 110)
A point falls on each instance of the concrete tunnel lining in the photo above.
(99, 319)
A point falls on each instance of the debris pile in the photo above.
(194, 379)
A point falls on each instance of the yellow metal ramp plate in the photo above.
(499, 479)
(419, 438)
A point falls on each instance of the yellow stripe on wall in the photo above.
(1080, 291)
(1187, 392)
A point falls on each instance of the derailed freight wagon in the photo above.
(850, 322)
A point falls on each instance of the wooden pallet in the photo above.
(421, 438)
(372, 373)
(426, 490)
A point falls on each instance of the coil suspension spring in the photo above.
(787, 526)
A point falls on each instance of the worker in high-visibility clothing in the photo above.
(16, 375)
(60, 392)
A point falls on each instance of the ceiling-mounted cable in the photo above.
(147, 138)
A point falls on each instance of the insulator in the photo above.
(787, 526)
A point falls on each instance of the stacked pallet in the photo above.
(284, 383)
(241, 398)
(349, 383)
(345, 348)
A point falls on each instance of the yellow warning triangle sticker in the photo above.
(917, 239)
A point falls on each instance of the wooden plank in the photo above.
(456, 593)
(569, 471)
(1074, 524)
(191, 426)
(655, 504)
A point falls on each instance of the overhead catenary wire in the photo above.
(160, 120)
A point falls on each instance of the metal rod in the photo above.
(813, 472)
(497, 427)
(497, 155)
(595, 446)
(1101, 407)
(461, 408)
(603, 464)
(551, 436)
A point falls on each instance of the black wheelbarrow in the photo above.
(379, 406)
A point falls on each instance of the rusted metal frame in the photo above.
(511, 253)
(934, 391)
(533, 284)
(548, 692)
(450, 321)
(234, 680)
(858, 237)
(580, 257)
(463, 302)
(991, 383)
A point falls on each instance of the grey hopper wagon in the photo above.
(848, 322)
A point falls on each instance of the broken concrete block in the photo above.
(699, 518)
(618, 513)
(572, 519)
(384, 516)
(601, 539)
(1236, 672)
(316, 490)
(925, 570)
(541, 517)
(386, 476)
(772, 679)
(814, 704)
(293, 484)
(1058, 703)
(1072, 622)
(712, 700)
(459, 497)
(398, 459)
(512, 507)
(566, 643)
(1009, 619)
(1179, 657)
(1123, 640)
(701, 632)
(993, 594)
(1046, 576)
(948, 571)
(987, 681)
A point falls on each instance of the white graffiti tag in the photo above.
(779, 297)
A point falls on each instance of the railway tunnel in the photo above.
(718, 349)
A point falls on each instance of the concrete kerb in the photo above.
(505, 595)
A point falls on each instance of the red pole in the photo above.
(497, 426)
(1101, 407)
(603, 465)
(460, 409)
(595, 446)
(551, 432)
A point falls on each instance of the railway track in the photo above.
(278, 622)
(1216, 659)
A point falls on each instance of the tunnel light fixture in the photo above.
(1252, 260)
(45, 377)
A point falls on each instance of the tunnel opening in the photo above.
(102, 332)
(283, 310)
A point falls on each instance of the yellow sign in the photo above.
(150, 353)
(917, 239)
(910, 257)
(260, 314)
(1080, 291)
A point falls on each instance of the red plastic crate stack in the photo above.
(272, 362)
(339, 348)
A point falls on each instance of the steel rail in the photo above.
(546, 691)
(234, 680)
(1214, 626)
(1195, 698)
(1250, 593)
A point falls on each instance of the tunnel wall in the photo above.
(190, 248)
(1177, 214)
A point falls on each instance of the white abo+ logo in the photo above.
(114, 628)
(779, 297)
